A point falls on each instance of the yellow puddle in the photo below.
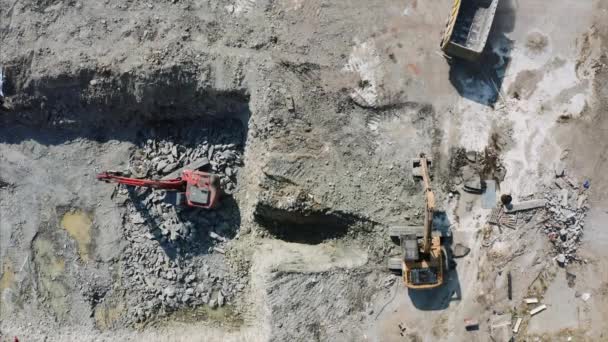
(224, 315)
(50, 268)
(8, 276)
(107, 313)
(78, 225)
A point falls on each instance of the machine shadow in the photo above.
(223, 220)
(481, 81)
(439, 298)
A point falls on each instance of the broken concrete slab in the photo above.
(531, 300)
(561, 259)
(517, 325)
(564, 197)
(460, 250)
(559, 168)
(198, 164)
(526, 205)
(538, 309)
(500, 327)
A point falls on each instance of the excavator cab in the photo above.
(201, 189)
(419, 270)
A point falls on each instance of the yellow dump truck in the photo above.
(468, 27)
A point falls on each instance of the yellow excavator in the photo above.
(424, 260)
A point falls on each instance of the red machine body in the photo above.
(201, 188)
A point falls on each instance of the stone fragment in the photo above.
(170, 291)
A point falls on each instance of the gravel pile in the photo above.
(566, 210)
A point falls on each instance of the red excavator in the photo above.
(201, 189)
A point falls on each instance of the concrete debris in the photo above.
(471, 324)
(166, 262)
(290, 104)
(538, 309)
(389, 281)
(170, 291)
(500, 326)
(560, 169)
(561, 259)
(517, 325)
(137, 218)
(460, 250)
(495, 215)
(215, 236)
(565, 217)
(509, 286)
(526, 205)
(531, 300)
(585, 296)
(168, 159)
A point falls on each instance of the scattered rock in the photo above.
(561, 259)
(215, 236)
(220, 299)
(472, 156)
(170, 291)
(460, 250)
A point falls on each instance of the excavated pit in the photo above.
(60, 131)
(308, 226)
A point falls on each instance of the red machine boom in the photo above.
(200, 188)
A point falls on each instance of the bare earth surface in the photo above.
(310, 112)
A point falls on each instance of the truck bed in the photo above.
(473, 23)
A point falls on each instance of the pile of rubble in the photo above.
(564, 208)
(162, 158)
(566, 205)
(174, 255)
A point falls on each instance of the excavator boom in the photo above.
(424, 259)
(201, 189)
(429, 204)
(169, 184)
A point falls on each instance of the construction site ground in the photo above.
(310, 112)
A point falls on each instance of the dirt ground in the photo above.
(310, 113)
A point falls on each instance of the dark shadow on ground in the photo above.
(440, 298)
(481, 81)
(224, 220)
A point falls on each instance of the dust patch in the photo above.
(50, 269)
(525, 84)
(536, 42)
(225, 316)
(78, 225)
(8, 276)
(108, 313)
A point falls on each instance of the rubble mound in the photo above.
(564, 223)
(174, 258)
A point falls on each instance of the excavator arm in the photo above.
(169, 184)
(429, 203)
